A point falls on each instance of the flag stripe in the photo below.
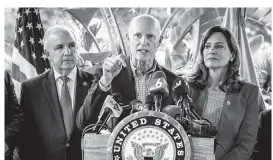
(25, 67)
(17, 74)
(28, 59)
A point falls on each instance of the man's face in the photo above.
(62, 50)
(144, 39)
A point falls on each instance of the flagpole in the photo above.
(112, 42)
(121, 43)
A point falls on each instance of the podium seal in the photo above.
(148, 135)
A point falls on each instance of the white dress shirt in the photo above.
(71, 84)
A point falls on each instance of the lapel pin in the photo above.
(228, 102)
(84, 83)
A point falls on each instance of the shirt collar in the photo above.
(71, 76)
(138, 73)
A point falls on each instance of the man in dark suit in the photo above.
(51, 100)
(13, 116)
(127, 76)
(263, 146)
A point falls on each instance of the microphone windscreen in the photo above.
(172, 110)
(137, 105)
(180, 88)
(117, 97)
(158, 84)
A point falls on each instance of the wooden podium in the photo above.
(202, 148)
(95, 147)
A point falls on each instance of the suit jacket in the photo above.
(123, 84)
(263, 146)
(43, 133)
(13, 113)
(238, 123)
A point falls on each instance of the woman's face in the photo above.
(216, 52)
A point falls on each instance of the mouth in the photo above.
(212, 58)
(67, 61)
(143, 51)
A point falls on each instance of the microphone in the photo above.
(199, 128)
(182, 99)
(137, 106)
(110, 109)
(173, 111)
(149, 102)
(190, 120)
(158, 88)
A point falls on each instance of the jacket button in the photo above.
(67, 145)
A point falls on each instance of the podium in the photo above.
(202, 148)
(95, 147)
(147, 135)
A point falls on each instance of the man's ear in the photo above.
(46, 53)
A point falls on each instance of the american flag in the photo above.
(28, 59)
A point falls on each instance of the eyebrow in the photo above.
(57, 45)
(216, 43)
(72, 43)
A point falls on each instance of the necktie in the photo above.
(66, 106)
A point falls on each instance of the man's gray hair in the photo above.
(157, 22)
(61, 28)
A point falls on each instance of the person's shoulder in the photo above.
(249, 87)
(266, 113)
(169, 74)
(36, 79)
(86, 73)
(249, 91)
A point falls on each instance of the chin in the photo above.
(142, 57)
(68, 66)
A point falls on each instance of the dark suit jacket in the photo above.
(239, 121)
(43, 133)
(13, 113)
(122, 84)
(263, 146)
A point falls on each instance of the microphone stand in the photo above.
(181, 110)
(158, 100)
(103, 123)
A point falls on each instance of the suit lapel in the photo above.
(232, 112)
(82, 86)
(52, 96)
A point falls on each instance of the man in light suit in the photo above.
(51, 100)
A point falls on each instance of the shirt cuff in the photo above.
(103, 88)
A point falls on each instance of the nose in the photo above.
(67, 51)
(144, 40)
(212, 51)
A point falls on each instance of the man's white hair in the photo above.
(55, 28)
(157, 23)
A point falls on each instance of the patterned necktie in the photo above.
(66, 106)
